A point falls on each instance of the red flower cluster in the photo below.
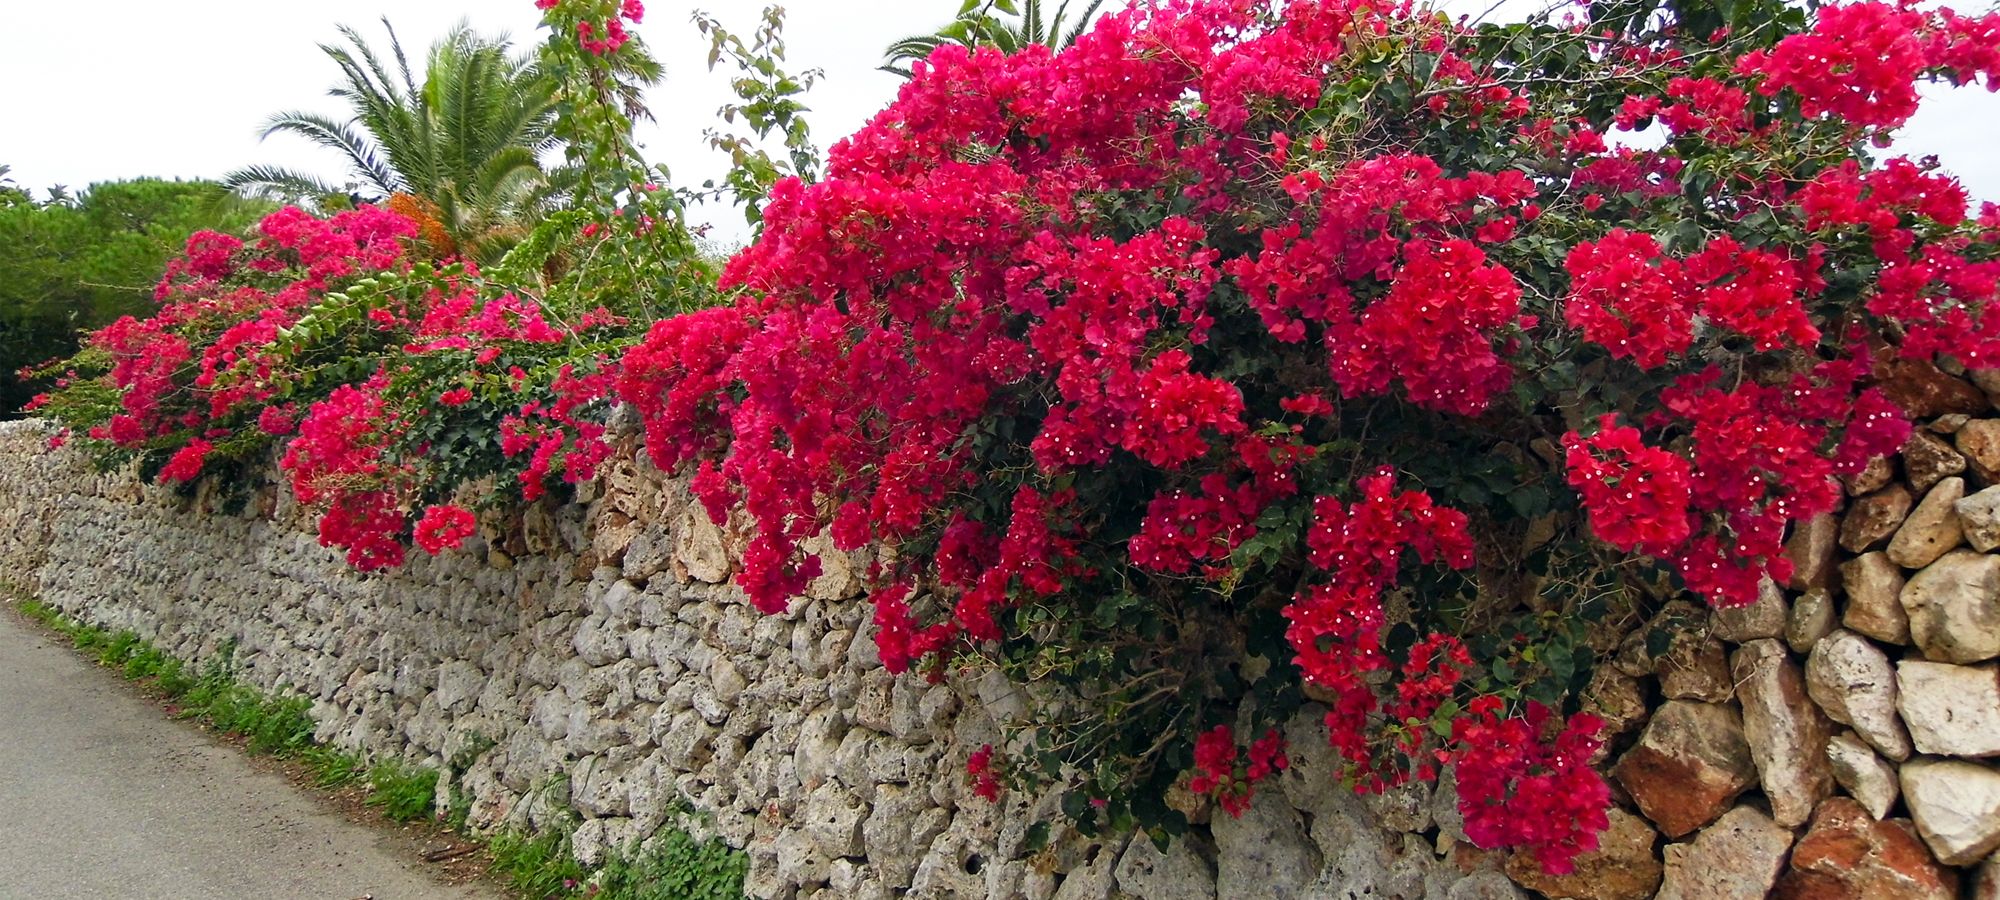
(186, 462)
(230, 300)
(1336, 627)
(1341, 236)
(985, 783)
(1434, 331)
(1861, 62)
(444, 528)
(1638, 497)
(1517, 788)
(1216, 773)
(1761, 458)
(1626, 295)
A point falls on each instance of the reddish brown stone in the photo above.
(1873, 519)
(1810, 550)
(1622, 867)
(1927, 459)
(1688, 766)
(1979, 440)
(1879, 472)
(1849, 855)
(1923, 389)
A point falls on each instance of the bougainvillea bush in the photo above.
(390, 383)
(396, 388)
(1243, 355)
(1237, 357)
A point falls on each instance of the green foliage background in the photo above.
(76, 263)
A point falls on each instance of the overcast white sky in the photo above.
(180, 89)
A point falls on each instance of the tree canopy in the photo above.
(77, 263)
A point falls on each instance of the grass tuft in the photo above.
(405, 792)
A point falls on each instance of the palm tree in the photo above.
(977, 25)
(460, 152)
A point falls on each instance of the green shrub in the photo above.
(675, 867)
(404, 792)
(537, 865)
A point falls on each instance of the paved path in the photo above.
(103, 796)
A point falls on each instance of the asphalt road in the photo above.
(104, 796)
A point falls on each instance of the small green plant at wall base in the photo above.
(673, 866)
(333, 769)
(405, 792)
(538, 865)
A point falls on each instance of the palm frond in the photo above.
(1083, 22)
(466, 140)
(281, 184)
(343, 137)
(1033, 29)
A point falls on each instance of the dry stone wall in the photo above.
(589, 662)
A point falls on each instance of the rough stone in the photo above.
(1764, 618)
(1986, 883)
(1632, 657)
(1737, 858)
(1486, 885)
(1177, 874)
(1812, 619)
(833, 818)
(1864, 776)
(647, 555)
(900, 826)
(1695, 667)
(1622, 867)
(1688, 765)
(1956, 805)
(699, 554)
(1871, 520)
(1811, 551)
(1093, 880)
(1787, 734)
(1928, 459)
(1979, 518)
(1848, 854)
(1874, 587)
(1854, 683)
(1948, 424)
(1932, 528)
(1954, 608)
(1979, 440)
(840, 571)
(1263, 854)
(1405, 807)
(1951, 710)
(1616, 698)
(1875, 476)
(1924, 390)
(1987, 380)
